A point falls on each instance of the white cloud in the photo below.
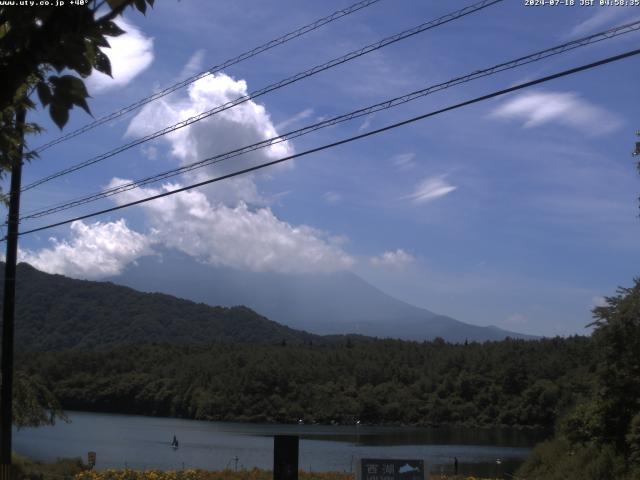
(366, 124)
(238, 237)
(245, 124)
(298, 117)
(149, 151)
(94, 251)
(226, 223)
(404, 161)
(598, 301)
(564, 108)
(430, 189)
(130, 54)
(193, 65)
(602, 18)
(332, 198)
(395, 259)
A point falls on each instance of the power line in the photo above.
(216, 68)
(534, 57)
(274, 86)
(346, 140)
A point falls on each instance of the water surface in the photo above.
(144, 442)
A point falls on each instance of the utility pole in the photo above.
(8, 306)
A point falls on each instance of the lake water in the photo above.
(144, 442)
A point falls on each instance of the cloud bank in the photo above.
(226, 224)
(94, 251)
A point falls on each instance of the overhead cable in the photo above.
(270, 88)
(482, 98)
(214, 69)
(394, 102)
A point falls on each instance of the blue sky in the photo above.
(520, 212)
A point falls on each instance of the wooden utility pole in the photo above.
(8, 306)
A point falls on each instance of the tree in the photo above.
(38, 46)
(617, 336)
(41, 47)
(34, 404)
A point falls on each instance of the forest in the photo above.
(513, 382)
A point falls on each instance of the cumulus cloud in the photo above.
(149, 151)
(394, 259)
(227, 223)
(564, 108)
(430, 189)
(245, 124)
(94, 251)
(130, 54)
(239, 237)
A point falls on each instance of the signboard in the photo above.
(391, 469)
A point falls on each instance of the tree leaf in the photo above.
(44, 93)
(141, 5)
(82, 103)
(59, 114)
(102, 63)
(71, 90)
(74, 85)
(111, 29)
(116, 3)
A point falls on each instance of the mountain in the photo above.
(335, 303)
(54, 312)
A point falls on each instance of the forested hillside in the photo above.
(513, 382)
(55, 312)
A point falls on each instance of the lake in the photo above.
(144, 442)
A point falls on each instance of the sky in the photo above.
(520, 211)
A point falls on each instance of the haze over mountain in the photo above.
(331, 303)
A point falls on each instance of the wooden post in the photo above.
(8, 307)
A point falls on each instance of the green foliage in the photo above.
(61, 469)
(382, 381)
(37, 44)
(617, 337)
(633, 441)
(600, 437)
(33, 403)
(560, 460)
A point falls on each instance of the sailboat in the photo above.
(174, 443)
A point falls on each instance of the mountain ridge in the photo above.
(323, 304)
(54, 312)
